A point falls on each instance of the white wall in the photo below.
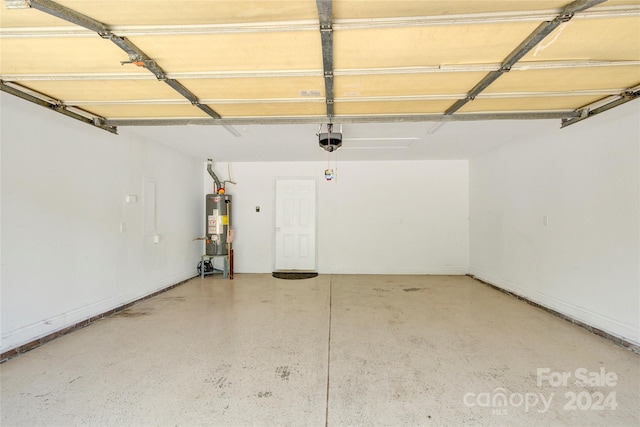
(585, 178)
(64, 183)
(376, 217)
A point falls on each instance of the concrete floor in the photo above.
(335, 350)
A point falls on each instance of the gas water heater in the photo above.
(218, 221)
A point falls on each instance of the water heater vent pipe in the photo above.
(213, 174)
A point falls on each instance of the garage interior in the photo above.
(485, 147)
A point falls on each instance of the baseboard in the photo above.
(546, 303)
(434, 271)
(19, 349)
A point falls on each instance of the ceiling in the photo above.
(254, 79)
(371, 141)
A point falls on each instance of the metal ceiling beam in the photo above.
(466, 117)
(542, 31)
(604, 105)
(70, 15)
(136, 55)
(59, 107)
(325, 16)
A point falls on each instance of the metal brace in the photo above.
(565, 17)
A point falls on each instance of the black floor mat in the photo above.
(293, 275)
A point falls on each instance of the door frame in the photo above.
(275, 217)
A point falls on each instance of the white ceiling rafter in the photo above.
(315, 119)
(601, 92)
(311, 25)
(186, 102)
(445, 68)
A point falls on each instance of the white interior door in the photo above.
(295, 233)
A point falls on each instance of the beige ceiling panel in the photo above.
(63, 55)
(567, 79)
(296, 50)
(163, 12)
(405, 84)
(16, 18)
(145, 111)
(435, 45)
(272, 109)
(391, 107)
(385, 48)
(543, 103)
(349, 9)
(105, 90)
(257, 88)
(595, 39)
